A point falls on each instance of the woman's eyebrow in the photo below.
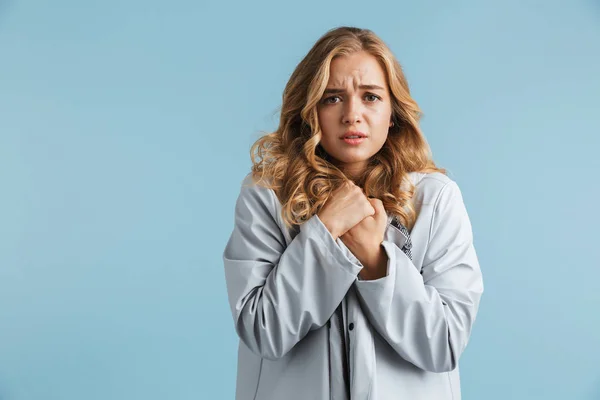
(338, 90)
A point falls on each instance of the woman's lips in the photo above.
(354, 141)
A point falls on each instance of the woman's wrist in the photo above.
(377, 268)
(330, 227)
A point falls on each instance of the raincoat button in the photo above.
(351, 326)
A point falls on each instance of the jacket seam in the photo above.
(435, 207)
(329, 356)
(450, 383)
(258, 379)
(373, 367)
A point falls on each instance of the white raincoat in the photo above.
(405, 332)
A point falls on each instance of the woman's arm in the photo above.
(277, 294)
(427, 317)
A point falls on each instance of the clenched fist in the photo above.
(346, 207)
(364, 241)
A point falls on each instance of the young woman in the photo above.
(351, 270)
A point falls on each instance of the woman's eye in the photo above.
(371, 98)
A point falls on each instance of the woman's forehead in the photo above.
(355, 70)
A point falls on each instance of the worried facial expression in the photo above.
(356, 102)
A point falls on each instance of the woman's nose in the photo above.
(351, 119)
(351, 113)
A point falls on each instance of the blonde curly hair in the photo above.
(291, 162)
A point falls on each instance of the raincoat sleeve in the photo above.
(277, 294)
(427, 317)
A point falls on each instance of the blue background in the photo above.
(125, 129)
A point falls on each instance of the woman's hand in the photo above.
(364, 241)
(346, 207)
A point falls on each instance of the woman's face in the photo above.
(356, 100)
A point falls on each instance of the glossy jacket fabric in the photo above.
(409, 328)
